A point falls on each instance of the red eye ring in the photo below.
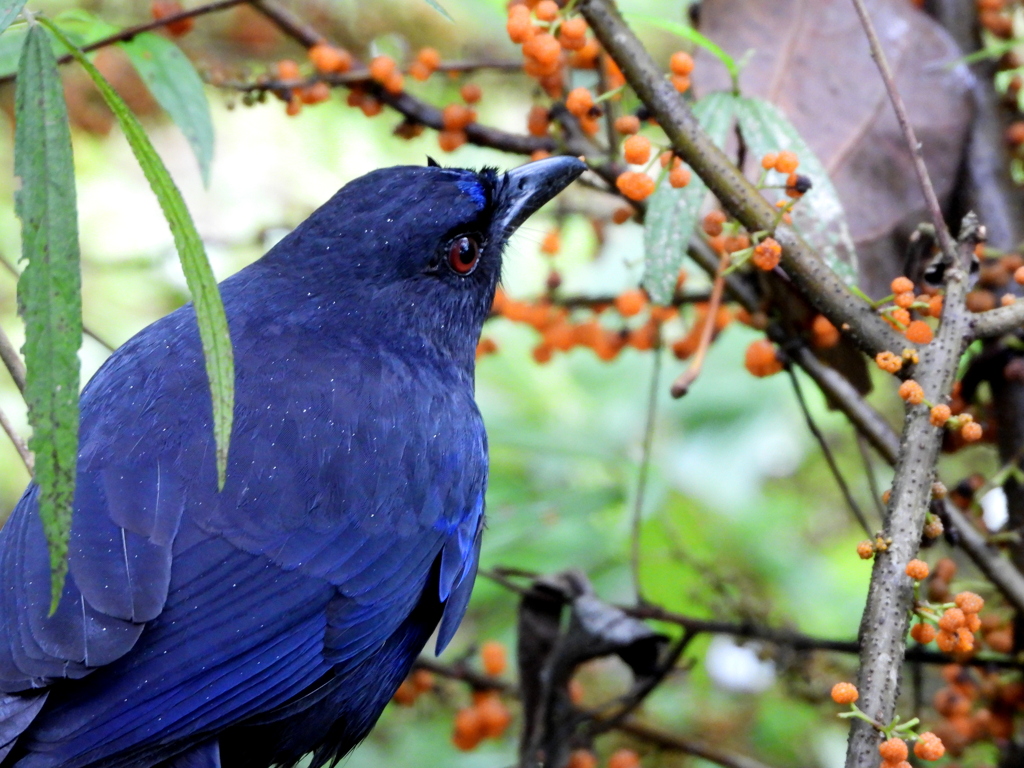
(463, 254)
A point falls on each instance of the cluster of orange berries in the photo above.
(993, 16)
(620, 758)
(487, 717)
(894, 751)
(976, 705)
(940, 415)
(787, 162)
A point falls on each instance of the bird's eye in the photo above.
(463, 254)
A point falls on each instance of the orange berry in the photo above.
(468, 731)
(768, 161)
(406, 694)
(381, 68)
(1018, 275)
(294, 106)
(622, 215)
(929, 746)
(844, 693)
(493, 657)
(370, 106)
(971, 431)
(624, 758)
(449, 141)
(419, 71)
(681, 83)
(681, 63)
(964, 640)
(923, 633)
(455, 117)
(919, 332)
(494, 716)
(912, 392)
(969, 602)
(893, 750)
(952, 619)
(552, 242)
(636, 149)
(519, 26)
(679, 177)
(635, 185)
(767, 254)
(287, 70)
(904, 300)
(945, 569)
(902, 285)
(900, 318)
(888, 362)
(579, 101)
(935, 306)
(326, 58)
(786, 162)
(865, 550)
(537, 120)
(471, 93)
(823, 334)
(543, 48)
(542, 353)
(422, 680)
(917, 570)
(574, 28)
(586, 57)
(713, 222)
(761, 360)
(429, 57)
(627, 124)
(395, 83)
(946, 641)
(546, 10)
(582, 758)
(631, 302)
(939, 415)
(161, 9)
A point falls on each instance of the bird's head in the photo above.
(421, 244)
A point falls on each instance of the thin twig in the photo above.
(685, 380)
(129, 32)
(12, 361)
(645, 464)
(869, 471)
(19, 444)
(827, 451)
(930, 198)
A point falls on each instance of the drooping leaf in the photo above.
(9, 9)
(80, 26)
(819, 215)
(440, 9)
(672, 213)
(687, 32)
(213, 326)
(49, 290)
(173, 81)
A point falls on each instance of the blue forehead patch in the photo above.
(475, 191)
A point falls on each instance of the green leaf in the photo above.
(174, 83)
(213, 325)
(49, 290)
(9, 9)
(672, 214)
(819, 214)
(437, 7)
(689, 33)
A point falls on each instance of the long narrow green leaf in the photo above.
(672, 213)
(174, 83)
(9, 9)
(49, 290)
(819, 215)
(213, 325)
(440, 9)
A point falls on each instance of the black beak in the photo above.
(528, 187)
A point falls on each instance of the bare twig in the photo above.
(685, 380)
(645, 465)
(12, 360)
(885, 620)
(998, 322)
(825, 290)
(827, 452)
(930, 198)
(869, 471)
(19, 443)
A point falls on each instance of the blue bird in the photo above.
(249, 627)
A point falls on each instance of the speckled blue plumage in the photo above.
(248, 627)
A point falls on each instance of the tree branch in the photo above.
(19, 444)
(998, 322)
(820, 284)
(12, 361)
